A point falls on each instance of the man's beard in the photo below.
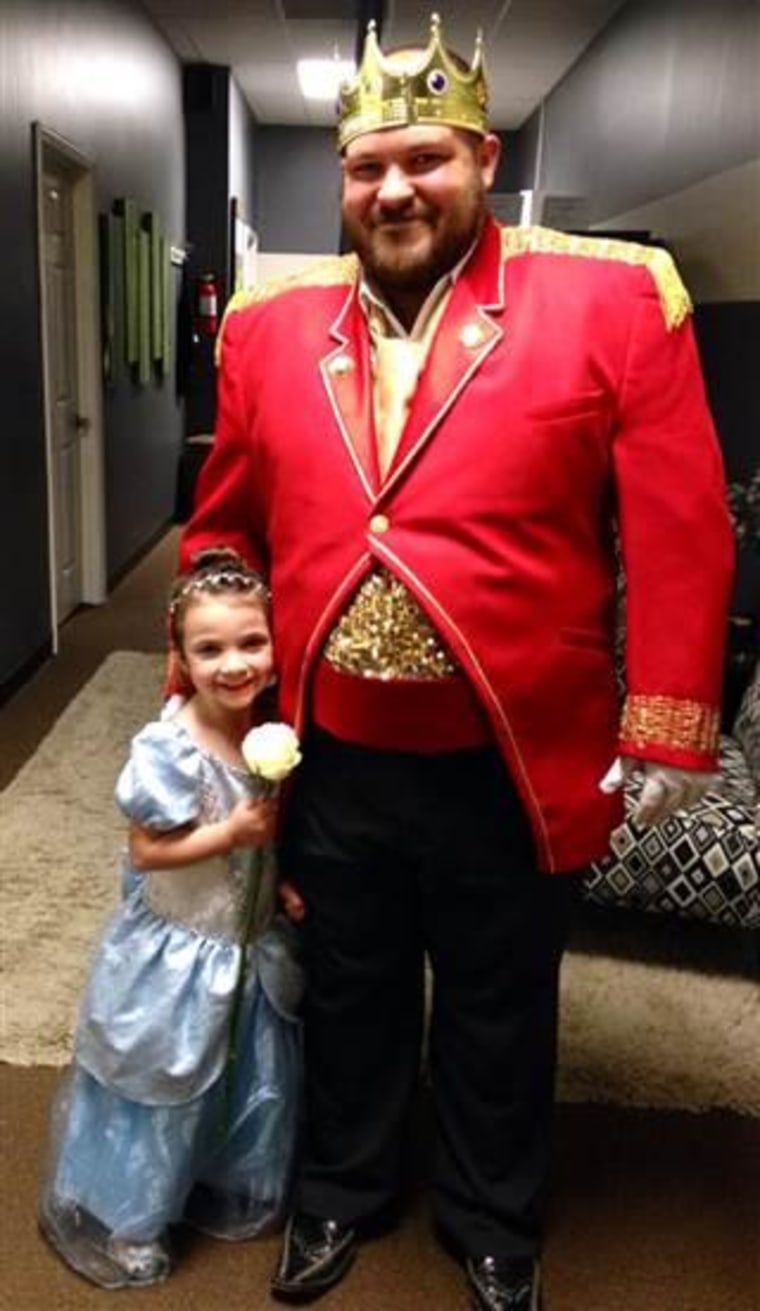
(395, 265)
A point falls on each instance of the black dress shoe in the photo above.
(315, 1255)
(503, 1285)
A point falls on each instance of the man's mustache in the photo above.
(398, 218)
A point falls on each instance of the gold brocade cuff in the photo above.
(669, 722)
(384, 634)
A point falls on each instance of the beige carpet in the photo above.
(633, 1033)
(60, 838)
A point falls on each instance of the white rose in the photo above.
(271, 751)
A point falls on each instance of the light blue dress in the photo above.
(154, 1122)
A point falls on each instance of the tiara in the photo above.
(225, 578)
(413, 86)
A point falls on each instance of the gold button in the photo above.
(471, 335)
(341, 365)
(379, 523)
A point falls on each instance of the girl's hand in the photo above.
(292, 901)
(251, 823)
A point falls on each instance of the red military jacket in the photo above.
(562, 392)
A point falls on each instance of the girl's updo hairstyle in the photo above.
(215, 571)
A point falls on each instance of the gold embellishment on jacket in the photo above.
(334, 271)
(384, 634)
(674, 298)
(669, 722)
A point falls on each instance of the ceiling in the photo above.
(530, 44)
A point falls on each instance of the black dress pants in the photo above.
(397, 855)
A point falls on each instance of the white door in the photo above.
(65, 424)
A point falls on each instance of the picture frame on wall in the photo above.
(113, 296)
(167, 303)
(152, 225)
(144, 310)
(137, 293)
(127, 210)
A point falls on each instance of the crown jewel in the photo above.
(413, 86)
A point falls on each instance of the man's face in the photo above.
(414, 200)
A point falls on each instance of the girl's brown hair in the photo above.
(215, 570)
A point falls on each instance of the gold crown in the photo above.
(413, 86)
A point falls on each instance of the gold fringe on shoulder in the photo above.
(674, 298)
(669, 722)
(333, 271)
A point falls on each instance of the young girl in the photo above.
(159, 1119)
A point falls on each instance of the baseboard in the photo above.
(25, 671)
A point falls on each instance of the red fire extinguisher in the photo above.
(207, 305)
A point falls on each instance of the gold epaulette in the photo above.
(333, 271)
(651, 721)
(674, 298)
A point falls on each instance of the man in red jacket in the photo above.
(430, 446)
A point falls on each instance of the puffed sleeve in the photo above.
(159, 787)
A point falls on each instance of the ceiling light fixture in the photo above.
(320, 79)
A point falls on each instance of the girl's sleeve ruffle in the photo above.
(159, 786)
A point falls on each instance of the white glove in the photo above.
(666, 789)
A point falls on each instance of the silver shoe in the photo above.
(88, 1248)
(142, 1263)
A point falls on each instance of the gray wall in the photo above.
(220, 142)
(297, 188)
(98, 74)
(207, 125)
(665, 97)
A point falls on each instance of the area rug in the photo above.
(632, 1033)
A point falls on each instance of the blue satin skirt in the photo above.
(221, 1161)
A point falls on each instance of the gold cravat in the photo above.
(398, 362)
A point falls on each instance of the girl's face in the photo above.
(226, 650)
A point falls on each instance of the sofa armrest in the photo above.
(746, 730)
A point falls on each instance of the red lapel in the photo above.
(347, 375)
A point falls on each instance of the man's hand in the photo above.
(665, 789)
(292, 901)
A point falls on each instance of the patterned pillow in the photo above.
(702, 863)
